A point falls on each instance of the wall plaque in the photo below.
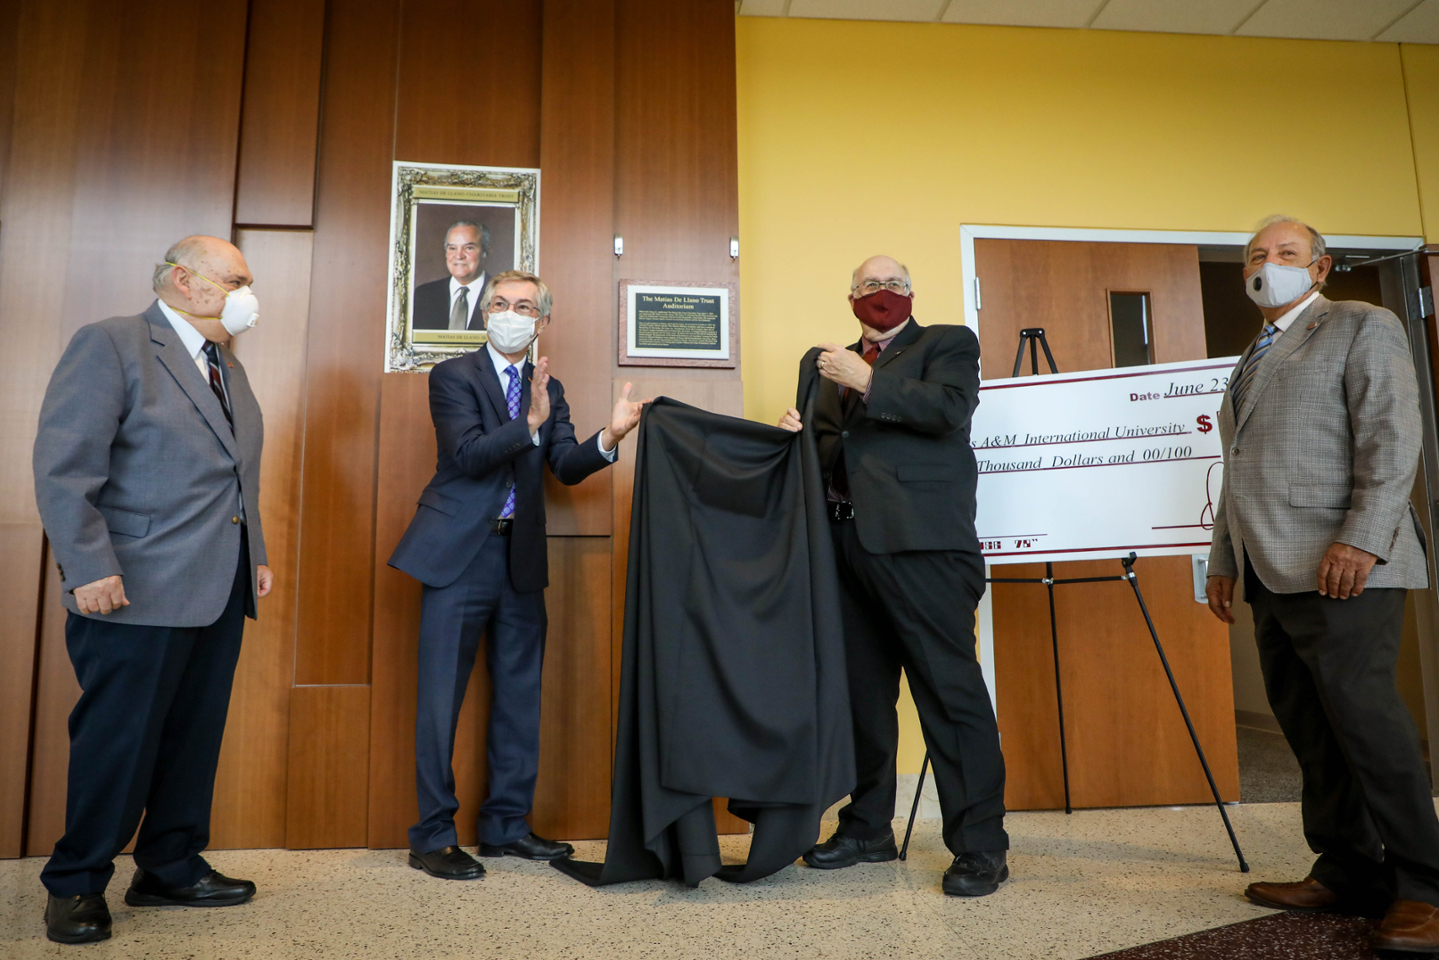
(677, 324)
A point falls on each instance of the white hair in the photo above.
(479, 228)
(543, 297)
(182, 253)
(854, 276)
(1316, 241)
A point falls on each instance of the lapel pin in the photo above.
(1312, 325)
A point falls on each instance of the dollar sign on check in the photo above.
(1205, 424)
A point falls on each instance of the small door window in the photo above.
(1130, 329)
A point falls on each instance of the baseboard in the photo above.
(1257, 721)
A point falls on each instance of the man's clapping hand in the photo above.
(539, 396)
(624, 418)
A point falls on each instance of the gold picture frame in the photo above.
(425, 199)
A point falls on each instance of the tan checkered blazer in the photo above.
(1323, 450)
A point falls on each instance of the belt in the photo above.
(502, 527)
(841, 510)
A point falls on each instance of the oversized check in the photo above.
(1096, 464)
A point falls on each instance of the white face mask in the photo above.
(241, 311)
(242, 307)
(510, 332)
(1274, 284)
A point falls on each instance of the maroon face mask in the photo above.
(884, 309)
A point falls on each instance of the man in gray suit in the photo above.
(1321, 432)
(147, 474)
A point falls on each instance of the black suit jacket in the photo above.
(481, 454)
(912, 473)
(431, 310)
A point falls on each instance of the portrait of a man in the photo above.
(453, 228)
(452, 302)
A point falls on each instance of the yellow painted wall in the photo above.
(859, 137)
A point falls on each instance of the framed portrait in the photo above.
(678, 324)
(451, 229)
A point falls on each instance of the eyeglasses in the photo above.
(875, 286)
(524, 309)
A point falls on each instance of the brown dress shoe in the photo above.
(1307, 894)
(1409, 925)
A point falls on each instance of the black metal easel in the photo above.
(1035, 337)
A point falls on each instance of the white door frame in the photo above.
(969, 232)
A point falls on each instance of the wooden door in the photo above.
(1127, 743)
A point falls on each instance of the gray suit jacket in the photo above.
(1324, 450)
(138, 474)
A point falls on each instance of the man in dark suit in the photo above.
(477, 543)
(453, 302)
(892, 426)
(147, 476)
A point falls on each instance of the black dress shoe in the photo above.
(448, 863)
(214, 889)
(83, 919)
(528, 847)
(976, 874)
(842, 851)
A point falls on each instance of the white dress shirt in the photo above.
(476, 288)
(1289, 315)
(500, 366)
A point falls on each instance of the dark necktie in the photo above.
(217, 382)
(839, 476)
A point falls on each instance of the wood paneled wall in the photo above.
(127, 125)
(123, 122)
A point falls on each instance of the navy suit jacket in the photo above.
(481, 454)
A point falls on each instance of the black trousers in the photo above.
(1329, 671)
(915, 611)
(145, 739)
(453, 621)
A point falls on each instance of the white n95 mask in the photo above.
(242, 307)
(1274, 284)
(241, 311)
(510, 332)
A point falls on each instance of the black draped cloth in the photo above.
(733, 679)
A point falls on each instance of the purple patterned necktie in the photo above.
(512, 400)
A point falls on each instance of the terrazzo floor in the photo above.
(1087, 884)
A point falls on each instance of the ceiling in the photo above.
(1390, 21)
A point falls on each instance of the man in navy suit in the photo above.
(477, 543)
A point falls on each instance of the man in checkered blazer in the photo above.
(1321, 433)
